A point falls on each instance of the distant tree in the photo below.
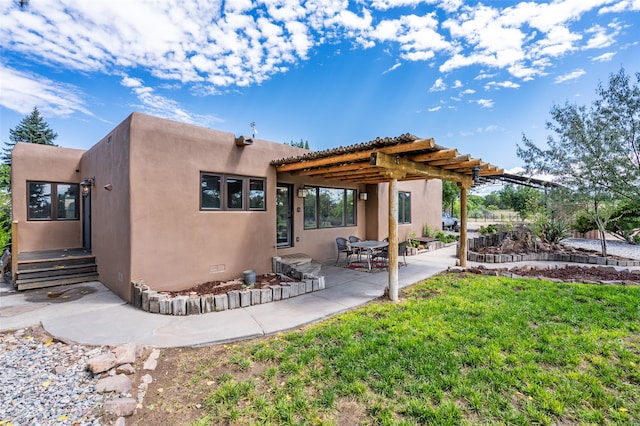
(301, 144)
(32, 129)
(522, 199)
(595, 151)
(492, 201)
(450, 194)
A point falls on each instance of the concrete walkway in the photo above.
(90, 314)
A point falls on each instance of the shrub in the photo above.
(428, 231)
(489, 229)
(553, 231)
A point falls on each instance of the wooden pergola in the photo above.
(405, 157)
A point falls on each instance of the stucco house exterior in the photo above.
(178, 205)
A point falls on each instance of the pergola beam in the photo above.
(408, 167)
(420, 144)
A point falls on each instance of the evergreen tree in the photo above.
(301, 144)
(32, 129)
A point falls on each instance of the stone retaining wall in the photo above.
(550, 257)
(156, 302)
(496, 239)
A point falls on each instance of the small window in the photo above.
(404, 207)
(221, 192)
(43, 205)
(210, 196)
(235, 193)
(256, 194)
(329, 208)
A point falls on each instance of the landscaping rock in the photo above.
(152, 361)
(101, 363)
(119, 383)
(125, 354)
(122, 407)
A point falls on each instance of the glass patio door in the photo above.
(284, 215)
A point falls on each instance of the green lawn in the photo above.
(456, 350)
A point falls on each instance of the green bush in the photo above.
(489, 229)
(428, 231)
(553, 231)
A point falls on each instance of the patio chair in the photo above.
(356, 250)
(343, 247)
(402, 251)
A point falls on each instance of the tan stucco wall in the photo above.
(426, 207)
(108, 161)
(174, 245)
(33, 162)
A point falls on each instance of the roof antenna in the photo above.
(254, 131)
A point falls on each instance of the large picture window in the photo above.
(222, 192)
(404, 207)
(53, 201)
(329, 208)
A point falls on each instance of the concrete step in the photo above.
(56, 271)
(310, 268)
(296, 259)
(33, 283)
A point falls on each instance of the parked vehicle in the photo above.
(449, 221)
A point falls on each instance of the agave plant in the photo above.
(553, 231)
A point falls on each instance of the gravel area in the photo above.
(44, 382)
(616, 248)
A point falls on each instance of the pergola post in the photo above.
(463, 226)
(393, 240)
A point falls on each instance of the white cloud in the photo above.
(485, 103)
(393, 68)
(621, 6)
(434, 109)
(501, 84)
(213, 45)
(438, 86)
(152, 103)
(22, 90)
(573, 75)
(468, 92)
(600, 38)
(605, 57)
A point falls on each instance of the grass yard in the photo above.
(457, 349)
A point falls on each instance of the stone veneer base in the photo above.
(156, 302)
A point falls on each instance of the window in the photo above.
(404, 207)
(221, 192)
(53, 201)
(329, 208)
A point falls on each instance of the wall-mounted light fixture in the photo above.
(476, 174)
(108, 187)
(86, 185)
(363, 196)
(302, 192)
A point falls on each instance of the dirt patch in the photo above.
(221, 287)
(573, 273)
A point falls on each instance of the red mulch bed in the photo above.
(574, 273)
(220, 287)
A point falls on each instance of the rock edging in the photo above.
(143, 297)
(550, 257)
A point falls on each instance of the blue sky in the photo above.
(473, 75)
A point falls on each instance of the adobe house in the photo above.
(177, 205)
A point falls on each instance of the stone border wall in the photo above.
(156, 302)
(496, 239)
